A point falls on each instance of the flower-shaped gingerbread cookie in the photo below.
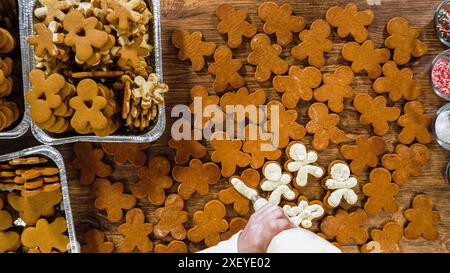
(276, 182)
(376, 112)
(173, 247)
(398, 83)
(171, 218)
(228, 153)
(303, 214)
(340, 184)
(32, 208)
(386, 240)
(266, 58)
(259, 145)
(406, 161)
(346, 227)
(44, 96)
(380, 192)
(110, 197)
(415, 124)
(404, 40)
(279, 20)
(323, 126)
(46, 236)
(127, 152)
(250, 178)
(89, 161)
(135, 232)
(187, 149)
(88, 106)
(302, 162)
(283, 124)
(192, 47)
(208, 104)
(226, 70)
(154, 179)
(350, 21)
(364, 153)
(83, 35)
(209, 224)
(244, 104)
(366, 57)
(233, 23)
(422, 219)
(195, 178)
(336, 87)
(297, 85)
(95, 242)
(314, 43)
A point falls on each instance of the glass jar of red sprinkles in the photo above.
(440, 75)
(442, 22)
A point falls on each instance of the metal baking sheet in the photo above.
(56, 157)
(154, 132)
(22, 127)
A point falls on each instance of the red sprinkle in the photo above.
(441, 77)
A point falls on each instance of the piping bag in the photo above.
(294, 240)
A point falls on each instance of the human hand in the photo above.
(262, 226)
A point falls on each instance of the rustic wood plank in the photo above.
(200, 15)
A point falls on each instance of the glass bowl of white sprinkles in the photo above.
(441, 126)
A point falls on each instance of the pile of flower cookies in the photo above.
(91, 57)
(281, 174)
(31, 219)
(9, 111)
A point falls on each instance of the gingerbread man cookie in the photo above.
(233, 23)
(200, 94)
(366, 57)
(53, 9)
(406, 162)
(192, 47)
(283, 123)
(122, 13)
(95, 242)
(110, 197)
(47, 236)
(187, 149)
(364, 153)
(209, 224)
(386, 240)
(279, 20)
(135, 232)
(340, 185)
(259, 145)
(346, 227)
(266, 58)
(171, 218)
(375, 111)
(302, 162)
(350, 21)
(415, 124)
(323, 126)
(89, 161)
(226, 70)
(154, 179)
(228, 153)
(422, 219)
(9, 241)
(195, 178)
(398, 83)
(314, 43)
(303, 214)
(336, 87)
(404, 40)
(297, 85)
(380, 192)
(241, 204)
(134, 153)
(277, 183)
(244, 104)
(45, 41)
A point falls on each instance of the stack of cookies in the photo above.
(97, 51)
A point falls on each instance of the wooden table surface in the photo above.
(200, 15)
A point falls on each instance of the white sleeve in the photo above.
(228, 246)
(299, 240)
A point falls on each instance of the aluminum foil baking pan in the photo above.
(57, 158)
(154, 132)
(22, 127)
